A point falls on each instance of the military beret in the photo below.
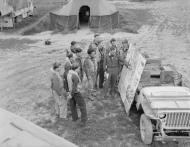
(69, 55)
(113, 39)
(90, 50)
(56, 65)
(96, 35)
(125, 41)
(75, 65)
(78, 50)
(73, 42)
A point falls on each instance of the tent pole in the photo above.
(111, 23)
(99, 25)
(67, 23)
(78, 23)
(118, 19)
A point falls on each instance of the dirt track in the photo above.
(25, 64)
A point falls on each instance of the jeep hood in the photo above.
(180, 103)
(168, 98)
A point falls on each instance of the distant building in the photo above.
(13, 11)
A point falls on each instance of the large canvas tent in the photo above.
(97, 14)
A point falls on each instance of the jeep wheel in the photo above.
(146, 129)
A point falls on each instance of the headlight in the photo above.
(162, 116)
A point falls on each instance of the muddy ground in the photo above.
(162, 31)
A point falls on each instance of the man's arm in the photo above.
(87, 68)
(122, 60)
(105, 63)
(51, 83)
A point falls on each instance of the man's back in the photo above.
(57, 84)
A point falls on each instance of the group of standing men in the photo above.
(100, 63)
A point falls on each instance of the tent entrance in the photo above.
(84, 15)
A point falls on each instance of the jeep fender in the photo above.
(148, 111)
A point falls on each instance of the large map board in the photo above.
(130, 77)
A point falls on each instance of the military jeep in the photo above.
(164, 102)
(166, 113)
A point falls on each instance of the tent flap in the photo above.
(115, 20)
(63, 22)
(94, 21)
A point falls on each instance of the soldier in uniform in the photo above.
(112, 68)
(74, 83)
(113, 44)
(67, 67)
(73, 46)
(100, 63)
(90, 69)
(59, 94)
(96, 39)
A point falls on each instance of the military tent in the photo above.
(96, 13)
(12, 11)
(19, 4)
(8, 6)
(5, 9)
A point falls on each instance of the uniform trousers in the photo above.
(77, 99)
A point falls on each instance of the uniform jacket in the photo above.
(68, 64)
(90, 67)
(122, 57)
(79, 60)
(112, 61)
(56, 82)
(74, 82)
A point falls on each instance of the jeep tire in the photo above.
(146, 129)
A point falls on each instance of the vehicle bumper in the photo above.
(172, 138)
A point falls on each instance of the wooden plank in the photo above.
(32, 129)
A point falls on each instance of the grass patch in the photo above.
(15, 44)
